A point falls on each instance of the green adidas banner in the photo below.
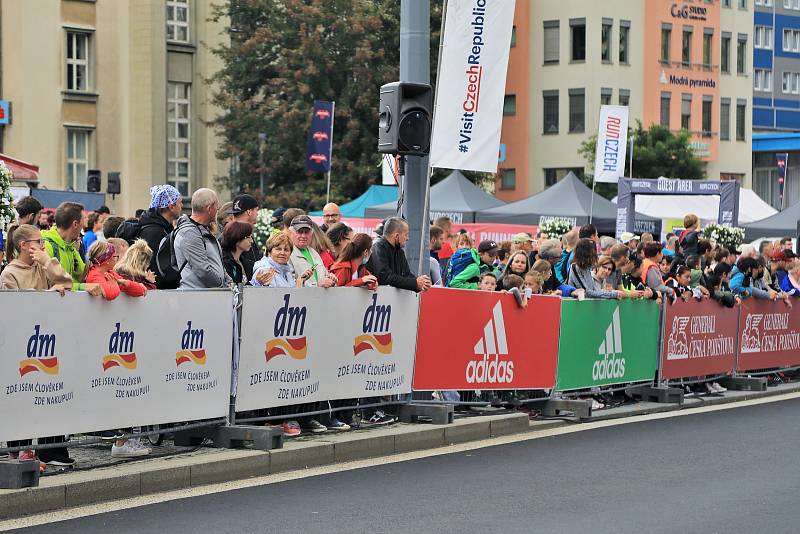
(607, 342)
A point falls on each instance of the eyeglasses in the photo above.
(40, 241)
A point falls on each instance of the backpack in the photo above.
(131, 229)
(169, 272)
(458, 262)
(561, 270)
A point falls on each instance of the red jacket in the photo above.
(111, 289)
(344, 274)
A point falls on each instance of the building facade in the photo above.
(681, 64)
(113, 85)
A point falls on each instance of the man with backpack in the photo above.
(467, 265)
(196, 252)
(166, 205)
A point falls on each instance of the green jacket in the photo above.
(469, 277)
(67, 255)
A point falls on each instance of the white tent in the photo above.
(706, 207)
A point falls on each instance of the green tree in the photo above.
(656, 152)
(284, 54)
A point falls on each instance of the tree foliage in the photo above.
(657, 151)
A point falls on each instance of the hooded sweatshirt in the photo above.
(65, 253)
(19, 275)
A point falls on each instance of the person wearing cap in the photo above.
(330, 215)
(197, 252)
(524, 242)
(782, 261)
(304, 257)
(166, 205)
(482, 262)
(630, 240)
(244, 209)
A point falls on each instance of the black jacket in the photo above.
(153, 228)
(234, 268)
(390, 266)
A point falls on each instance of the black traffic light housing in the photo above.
(93, 181)
(405, 118)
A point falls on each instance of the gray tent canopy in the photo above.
(782, 224)
(569, 199)
(455, 197)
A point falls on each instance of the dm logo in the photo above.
(191, 346)
(376, 334)
(120, 350)
(41, 352)
(289, 332)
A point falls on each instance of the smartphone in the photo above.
(528, 292)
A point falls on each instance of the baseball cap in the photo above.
(242, 203)
(487, 246)
(779, 255)
(301, 221)
(522, 237)
(277, 215)
(627, 237)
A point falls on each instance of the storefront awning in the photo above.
(22, 171)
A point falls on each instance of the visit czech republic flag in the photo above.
(320, 137)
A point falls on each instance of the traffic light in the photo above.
(93, 181)
(405, 118)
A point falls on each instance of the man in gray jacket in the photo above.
(198, 254)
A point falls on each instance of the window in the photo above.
(726, 3)
(791, 40)
(624, 40)
(791, 83)
(791, 4)
(742, 4)
(666, 37)
(741, 108)
(762, 37)
(550, 41)
(741, 54)
(513, 36)
(725, 119)
(605, 40)
(762, 80)
(552, 176)
(179, 136)
(77, 159)
(766, 3)
(508, 179)
(578, 39)
(666, 100)
(686, 47)
(577, 113)
(686, 111)
(605, 96)
(510, 105)
(77, 61)
(708, 37)
(725, 53)
(550, 106)
(624, 97)
(178, 20)
(708, 101)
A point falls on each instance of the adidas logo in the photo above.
(493, 344)
(610, 366)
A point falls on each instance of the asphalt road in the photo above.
(726, 471)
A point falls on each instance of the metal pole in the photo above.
(630, 158)
(591, 204)
(415, 53)
(262, 137)
(330, 151)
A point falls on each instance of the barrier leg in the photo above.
(744, 383)
(439, 414)
(17, 474)
(581, 408)
(262, 438)
(660, 394)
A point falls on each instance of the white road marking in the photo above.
(144, 500)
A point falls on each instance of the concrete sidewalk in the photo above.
(210, 466)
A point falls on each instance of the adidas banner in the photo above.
(607, 342)
(309, 345)
(699, 339)
(86, 364)
(769, 335)
(497, 345)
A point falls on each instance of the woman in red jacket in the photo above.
(103, 257)
(351, 268)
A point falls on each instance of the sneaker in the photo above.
(315, 427)
(718, 388)
(30, 455)
(380, 418)
(597, 405)
(338, 426)
(291, 429)
(58, 461)
(132, 448)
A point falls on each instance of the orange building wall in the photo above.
(658, 11)
(516, 134)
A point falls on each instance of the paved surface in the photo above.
(726, 471)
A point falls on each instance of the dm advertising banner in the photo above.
(612, 141)
(607, 341)
(699, 339)
(312, 344)
(769, 335)
(470, 95)
(76, 364)
(497, 345)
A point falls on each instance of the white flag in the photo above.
(468, 113)
(612, 142)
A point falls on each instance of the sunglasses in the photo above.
(40, 241)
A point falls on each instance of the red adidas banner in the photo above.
(699, 339)
(769, 335)
(490, 342)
